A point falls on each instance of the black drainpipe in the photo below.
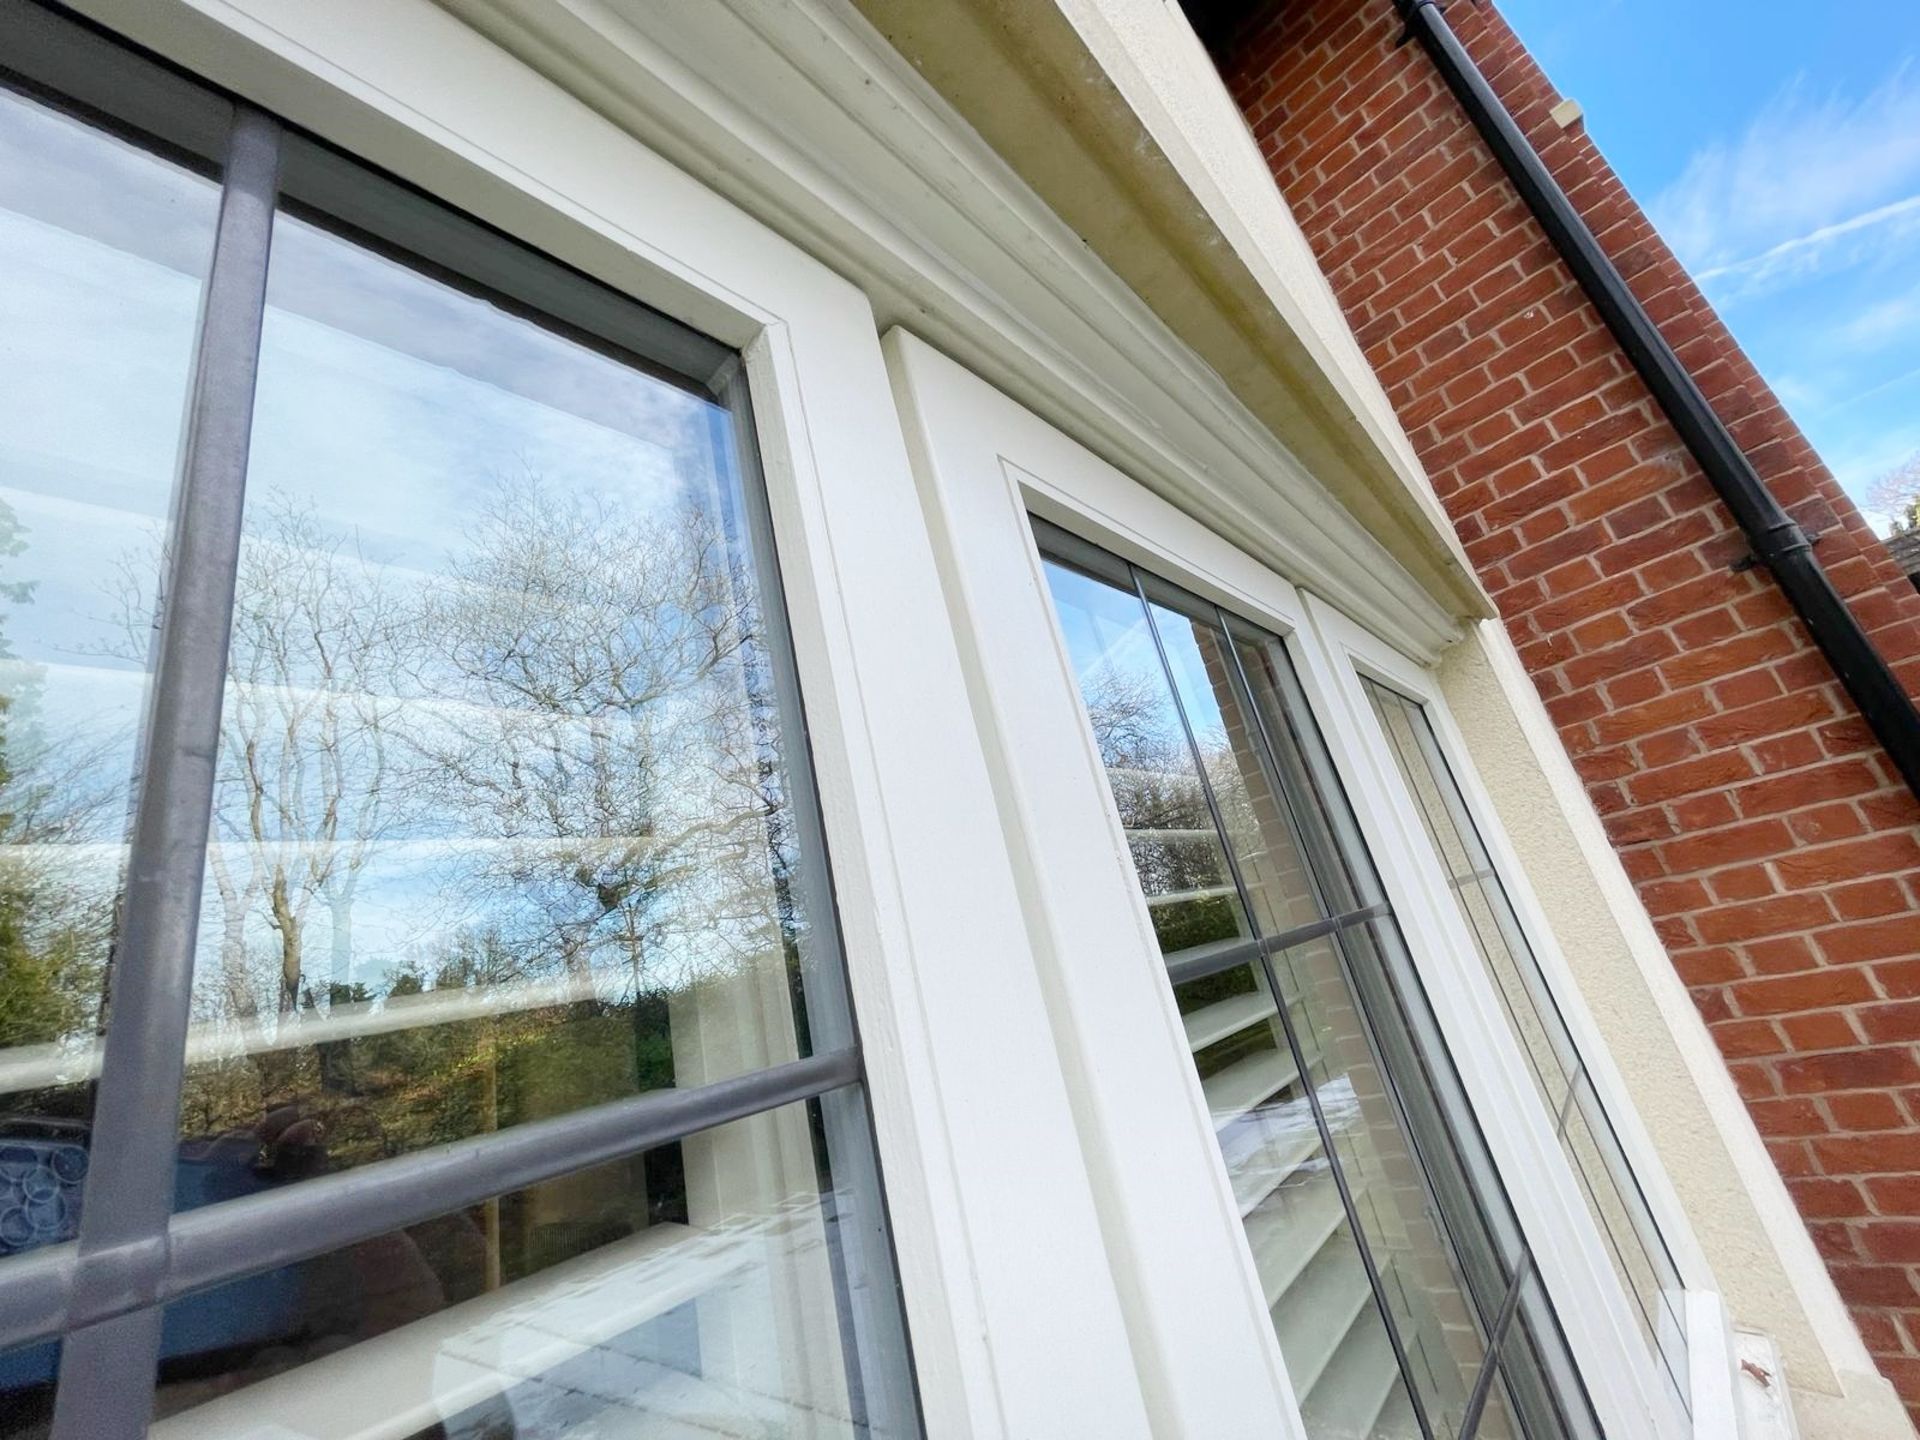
(1778, 542)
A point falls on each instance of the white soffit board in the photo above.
(1115, 114)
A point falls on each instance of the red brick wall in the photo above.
(1769, 837)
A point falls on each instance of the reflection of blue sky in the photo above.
(1177, 633)
(396, 405)
(95, 347)
(101, 247)
(390, 408)
(1107, 636)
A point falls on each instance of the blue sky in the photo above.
(1778, 150)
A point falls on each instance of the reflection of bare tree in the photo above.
(56, 897)
(302, 791)
(317, 637)
(553, 753)
(1150, 768)
(604, 742)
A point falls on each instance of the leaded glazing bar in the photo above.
(130, 1184)
(1381, 1234)
(1612, 1192)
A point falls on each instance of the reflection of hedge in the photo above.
(1196, 994)
(1201, 922)
(386, 1094)
(1189, 923)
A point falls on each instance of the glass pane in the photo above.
(104, 248)
(1638, 1253)
(1324, 1310)
(1639, 1257)
(1376, 1221)
(689, 1291)
(1431, 1311)
(1426, 1292)
(1482, 903)
(1285, 889)
(1301, 771)
(502, 827)
(1150, 766)
(1535, 1376)
(1439, 1221)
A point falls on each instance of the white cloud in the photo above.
(1812, 182)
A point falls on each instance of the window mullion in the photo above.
(129, 1195)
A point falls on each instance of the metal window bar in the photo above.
(67, 1287)
(1204, 960)
(1490, 1366)
(129, 1191)
(103, 1295)
(1375, 1283)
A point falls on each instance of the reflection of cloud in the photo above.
(79, 179)
(425, 445)
(446, 394)
(1810, 184)
(110, 340)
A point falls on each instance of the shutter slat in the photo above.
(1320, 1312)
(1349, 1393)
(1225, 1017)
(1240, 1087)
(1266, 1166)
(1287, 1237)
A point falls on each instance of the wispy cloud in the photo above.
(1889, 321)
(1812, 183)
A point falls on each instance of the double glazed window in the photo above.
(1595, 1156)
(1402, 1293)
(410, 601)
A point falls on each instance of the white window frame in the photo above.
(1027, 1316)
(985, 463)
(1354, 654)
(1014, 1317)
